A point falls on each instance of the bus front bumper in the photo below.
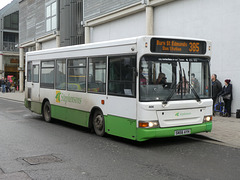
(144, 134)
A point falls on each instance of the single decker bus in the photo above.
(136, 88)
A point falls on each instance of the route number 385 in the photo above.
(194, 47)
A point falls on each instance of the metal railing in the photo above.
(9, 46)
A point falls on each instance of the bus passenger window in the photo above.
(77, 74)
(61, 74)
(47, 74)
(97, 75)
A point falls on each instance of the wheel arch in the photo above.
(43, 102)
(93, 110)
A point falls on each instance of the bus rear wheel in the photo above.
(47, 112)
(99, 123)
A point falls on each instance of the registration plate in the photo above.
(182, 132)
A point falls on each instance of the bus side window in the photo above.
(29, 71)
(35, 73)
(97, 75)
(77, 74)
(47, 74)
(122, 78)
(60, 74)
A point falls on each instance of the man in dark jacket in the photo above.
(216, 89)
(226, 93)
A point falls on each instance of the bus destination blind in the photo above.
(159, 45)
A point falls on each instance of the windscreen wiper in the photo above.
(174, 87)
(194, 92)
(170, 95)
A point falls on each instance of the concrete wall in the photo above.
(130, 26)
(49, 44)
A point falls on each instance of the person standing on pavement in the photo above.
(216, 89)
(226, 93)
(3, 84)
(8, 84)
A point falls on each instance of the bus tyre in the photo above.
(99, 123)
(47, 112)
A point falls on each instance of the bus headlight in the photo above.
(148, 124)
(207, 118)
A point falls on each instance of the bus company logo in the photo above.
(58, 99)
(182, 114)
(61, 97)
(177, 114)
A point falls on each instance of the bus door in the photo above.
(35, 86)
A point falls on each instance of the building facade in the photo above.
(214, 20)
(49, 24)
(9, 33)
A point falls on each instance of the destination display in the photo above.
(160, 45)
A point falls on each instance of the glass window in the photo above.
(47, 74)
(54, 22)
(36, 73)
(48, 13)
(48, 64)
(29, 71)
(51, 16)
(165, 78)
(77, 75)
(97, 75)
(122, 75)
(48, 24)
(61, 74)
(11, 21)
(54, 9)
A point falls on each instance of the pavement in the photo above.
(226, 130)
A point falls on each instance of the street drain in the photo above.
(43, 159)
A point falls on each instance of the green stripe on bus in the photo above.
(36, 107)
(70, 115)
(120, 126)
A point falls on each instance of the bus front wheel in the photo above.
(99, 123)
(47, 112)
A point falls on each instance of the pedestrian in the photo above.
(3, 84)
(216, 89)
(8, 84)
(226, 93)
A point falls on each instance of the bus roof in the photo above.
(103, 44)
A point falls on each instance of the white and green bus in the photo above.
(137, 88)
